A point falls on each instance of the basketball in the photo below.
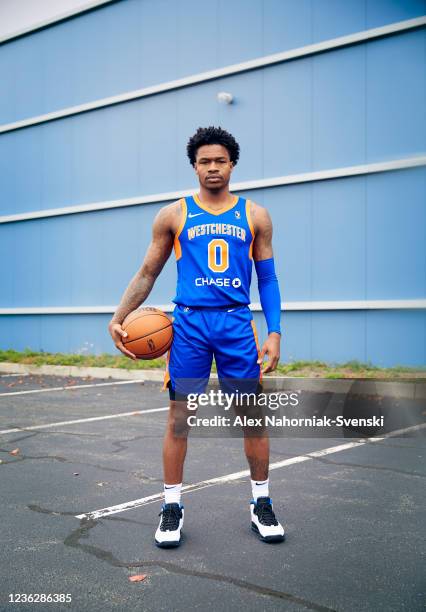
(150, 333)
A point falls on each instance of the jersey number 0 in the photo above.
(218, 259)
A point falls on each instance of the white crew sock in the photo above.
(260, 488)
(172, 493)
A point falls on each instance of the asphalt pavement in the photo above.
(354, 514)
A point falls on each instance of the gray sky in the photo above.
(18, 14)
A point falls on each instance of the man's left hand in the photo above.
(271, 348)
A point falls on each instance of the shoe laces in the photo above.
(264, 511)
(171, 516)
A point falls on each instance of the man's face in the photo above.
(213, 166)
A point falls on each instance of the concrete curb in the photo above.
(115, 373)
(402, 389)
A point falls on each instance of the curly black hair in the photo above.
(212, 135)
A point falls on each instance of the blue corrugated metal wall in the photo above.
(355, 238)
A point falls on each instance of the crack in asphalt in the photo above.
(371, 467)
(36, 508)
(120, 443)
(49, 433)
(23, 457)
(393, 445)
(355, 465)
(86, 525)
(30, 435)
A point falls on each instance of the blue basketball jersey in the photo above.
(214, 254)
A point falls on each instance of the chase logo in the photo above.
(220, 281)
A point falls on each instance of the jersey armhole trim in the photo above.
(250, 222)
(176, 243)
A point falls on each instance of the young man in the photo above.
(216, 237)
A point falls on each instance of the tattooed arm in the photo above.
(163, 231)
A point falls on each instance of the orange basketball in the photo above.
(150, 333)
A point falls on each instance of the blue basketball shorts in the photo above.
(199, 334)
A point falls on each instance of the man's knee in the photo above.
(251, 412)
(177, 421)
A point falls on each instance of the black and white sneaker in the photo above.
(264, 522)
(171, 523)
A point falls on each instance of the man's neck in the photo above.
(215, 199)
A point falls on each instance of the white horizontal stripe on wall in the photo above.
(55, 19)
(291, 179)
(419, 304)
(261, 62)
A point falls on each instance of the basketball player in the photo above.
(216, 236)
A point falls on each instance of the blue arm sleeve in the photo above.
(269, 293)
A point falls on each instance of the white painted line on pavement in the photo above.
(10, 375)
(88, 420)
(108, 384)
(136, 503)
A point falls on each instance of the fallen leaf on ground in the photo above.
(15, 451)
(137, 578)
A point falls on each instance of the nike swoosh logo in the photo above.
(232, 310)
(169, 487)
(190, 215)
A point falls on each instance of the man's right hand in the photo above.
(117, 333)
